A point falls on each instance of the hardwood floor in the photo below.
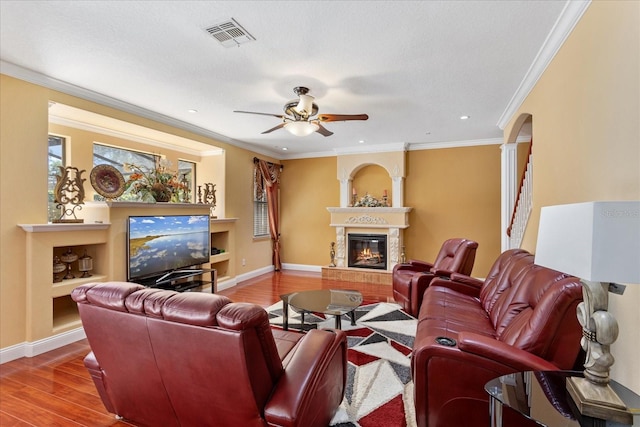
(54, 388)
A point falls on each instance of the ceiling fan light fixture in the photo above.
(301, 128)
(305, 105)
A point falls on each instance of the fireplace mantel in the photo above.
(381, 217)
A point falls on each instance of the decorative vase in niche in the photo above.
(160, 192)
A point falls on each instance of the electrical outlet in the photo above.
(244, 262)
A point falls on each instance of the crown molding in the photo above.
(455, 144)
(571, 14)
(369, 149)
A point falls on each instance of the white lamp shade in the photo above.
(301, 128)
(595, 241)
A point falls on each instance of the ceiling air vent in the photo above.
(230, 33)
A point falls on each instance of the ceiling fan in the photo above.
(300, 118)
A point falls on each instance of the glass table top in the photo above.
(326, 301)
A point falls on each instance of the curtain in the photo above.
(270, 173)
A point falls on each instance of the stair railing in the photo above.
(522, 208)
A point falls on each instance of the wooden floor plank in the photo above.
(54, 388)
(7, 420)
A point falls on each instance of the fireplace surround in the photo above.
(388, 222)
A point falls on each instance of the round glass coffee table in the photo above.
(331, 302)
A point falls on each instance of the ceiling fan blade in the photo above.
(323, 130)
(281, 125)
(280, 116)
(341, 117)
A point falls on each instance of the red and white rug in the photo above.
(379, 389)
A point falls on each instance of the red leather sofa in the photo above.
(161, 358)
(521, 318)
(410, 279)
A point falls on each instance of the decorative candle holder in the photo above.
(58, 267)
(85, 264)
(68, 258)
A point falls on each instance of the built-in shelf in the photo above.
(222, 237)
(220, 257)
(51, 310)
(66, 315)
(45, 228)
(66, 286)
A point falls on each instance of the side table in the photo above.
(541, 396)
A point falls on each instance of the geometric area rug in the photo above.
(379, 390)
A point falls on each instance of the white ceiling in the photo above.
(414, 67)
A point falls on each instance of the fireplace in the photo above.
(367, 251)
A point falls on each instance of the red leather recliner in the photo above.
(162, 358)
(521, 318)
(411, 279)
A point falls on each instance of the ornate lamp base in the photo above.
(598, 401)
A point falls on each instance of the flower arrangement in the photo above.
(159, 184)
(370, 202)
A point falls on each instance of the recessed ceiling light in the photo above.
(284, 148)
(465, 117)
(192, 111)
(361, 141)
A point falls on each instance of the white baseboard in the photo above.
(254, 273)
(30, 349)
(302, 267)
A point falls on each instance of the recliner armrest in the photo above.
(498, 351)
(414, 265)
(421, 265)
(313, 381)
(460, 283)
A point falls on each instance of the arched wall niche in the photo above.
(372, 179)
(392, 162)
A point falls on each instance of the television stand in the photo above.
(183, 280)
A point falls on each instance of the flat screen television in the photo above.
(158, 246)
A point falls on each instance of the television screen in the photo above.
(161, 244)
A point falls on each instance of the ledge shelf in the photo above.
(44, 228)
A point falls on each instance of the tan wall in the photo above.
(308, 187)
(453, 192)
(239, 187)
(23, 187)
(586, 131)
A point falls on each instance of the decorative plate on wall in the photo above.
(107, 181)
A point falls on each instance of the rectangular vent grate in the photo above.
(230, 33)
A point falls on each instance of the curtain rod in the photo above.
(256, 160)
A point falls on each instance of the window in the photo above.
(117, 157)
(260, 212)
(187, 174)
(56, 158)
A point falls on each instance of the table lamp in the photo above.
(598, 242)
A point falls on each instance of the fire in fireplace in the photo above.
(367, 251)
